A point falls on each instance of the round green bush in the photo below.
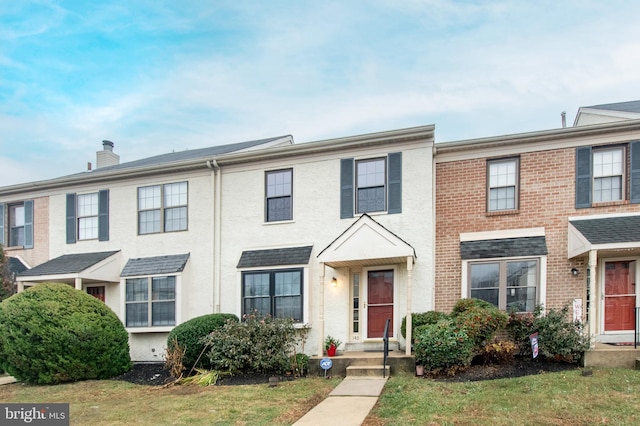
(189, 337)
(53, 333)
(480, 320)
(419, 319)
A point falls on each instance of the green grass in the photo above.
(609, 396)
(114, 402)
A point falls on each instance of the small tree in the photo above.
(7, 279)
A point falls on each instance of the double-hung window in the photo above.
(16, 224)
(510, 284)
(278, 190)
(87, 216)
(276, 292)
(608, 174)
(371, 178)
(502, 184)
(150, 301)
(162, 208)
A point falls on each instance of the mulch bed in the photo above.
(158, 375)
(517, 367)
(155, 374)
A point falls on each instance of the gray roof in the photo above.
(275, 257)
(190, 154)
(169, 264)
(621, 229)
(631, 106)
(503, 247)
(68, 264)
(16, 266)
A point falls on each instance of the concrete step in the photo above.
(368, 371)
(616, 357)
(637, 366)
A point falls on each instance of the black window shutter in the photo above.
(346, 188)
(395, 183)
(583, 177)
(2, 224)
(71, 218)
(28, 224)
(103, 215)
(634, 179)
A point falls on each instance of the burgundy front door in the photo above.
(379, 302)
(619, 295)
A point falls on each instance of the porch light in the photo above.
(334, 282)
(574, 271)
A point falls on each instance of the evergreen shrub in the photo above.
(189, 335)
(480, 320)
(53, 333)
(443, 346)
(419, 319)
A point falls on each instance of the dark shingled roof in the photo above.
(169, 264)
(504, 247)
(275, 257)
(189, 154)
(16, 266)
(622, 229)
(68, 264)
(631, 106)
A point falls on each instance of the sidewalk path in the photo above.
(349, 403)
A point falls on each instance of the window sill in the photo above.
(279, 222)
(13, 248)
(611, 203)
(503, 213)
(139, 330)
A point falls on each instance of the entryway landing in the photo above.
(364, 363)
(614, 356)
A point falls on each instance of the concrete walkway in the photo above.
(348, 404)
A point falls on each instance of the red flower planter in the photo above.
(331, 350)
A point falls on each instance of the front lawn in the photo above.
(609, 396)
(116, 402)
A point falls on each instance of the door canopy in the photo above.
(366, 243)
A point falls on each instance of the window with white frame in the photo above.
(502, 184)
(608, 174)
(279, 204)
(509, 284)
(371, 178)
(87, 216)
(276, 292)
(162, 208)
(16, 225)
(150, 301)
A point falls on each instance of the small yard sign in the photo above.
(325, 364)
(534, 344)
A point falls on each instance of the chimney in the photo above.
(563, 114)
(107, 157)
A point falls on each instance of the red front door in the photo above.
(379, 302)
(619, 295)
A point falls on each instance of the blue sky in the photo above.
(160, 76)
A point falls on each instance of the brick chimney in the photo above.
(107, 157)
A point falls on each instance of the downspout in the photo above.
(216, 178)
(594, 299)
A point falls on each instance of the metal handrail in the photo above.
(385, 341)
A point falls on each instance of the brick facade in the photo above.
(546, 200)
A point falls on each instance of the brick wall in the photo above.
(547, 199)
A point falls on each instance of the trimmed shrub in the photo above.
(443, 346)
(189, 335)
(261, 344)
(559, 338)
(53, 333)
(419, 319)
(481, 320)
